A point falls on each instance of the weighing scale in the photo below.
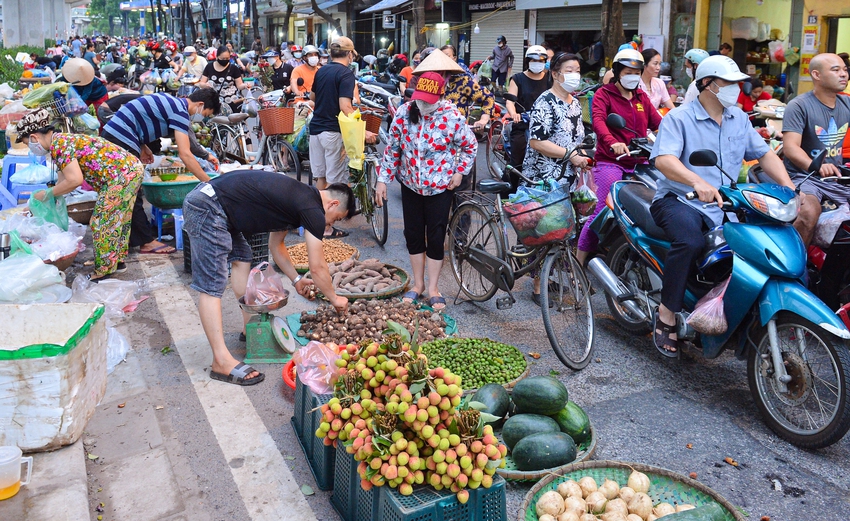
(268, 340)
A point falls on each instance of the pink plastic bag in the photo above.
(315, 365)
(708, 317)
(264, 287)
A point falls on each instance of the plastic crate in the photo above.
(306, 420)
(259, 243)
(352, 503)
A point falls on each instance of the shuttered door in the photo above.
(583, 18)
(510, 24)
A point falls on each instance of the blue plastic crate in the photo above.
(306, 420)
(352, 503)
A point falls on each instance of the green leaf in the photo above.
(417, 387)
(307, 490)
(453, 427)
(382, 441)
(399, 329)
(289, 458)
(371, 472)
(93, 457)
(486, 417)
(553, 372)
(478, 406)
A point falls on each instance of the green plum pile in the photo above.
(406, 423)
(479, 361)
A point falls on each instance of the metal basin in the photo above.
(266, 308)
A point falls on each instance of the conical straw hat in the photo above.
(437, 61)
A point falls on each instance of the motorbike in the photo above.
(795, 346)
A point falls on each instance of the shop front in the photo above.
(489, 20)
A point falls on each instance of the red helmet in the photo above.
(401, 57)
(171, 46)
(295, 48)
(211, 55)
(154, 46)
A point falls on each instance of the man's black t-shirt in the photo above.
(333, 81)
(257, 201)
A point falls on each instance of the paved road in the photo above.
(230, 453)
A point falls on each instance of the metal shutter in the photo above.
(583, 18)
(510, 24)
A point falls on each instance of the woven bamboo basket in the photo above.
(278, 120)
(373, 123)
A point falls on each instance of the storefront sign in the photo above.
(491, 6)
(808, 50)
(813, 19)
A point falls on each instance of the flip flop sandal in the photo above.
(437, 301)
(412, 295)
(159, 250)
(336, 234)
(239, 376)
(662, 340)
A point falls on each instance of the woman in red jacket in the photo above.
(621, 97)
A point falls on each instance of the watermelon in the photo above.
(540, 395)
(522, 425)
(544, 450)
(573, 421)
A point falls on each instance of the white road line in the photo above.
(264, 480)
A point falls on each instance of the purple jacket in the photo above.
(503, 58)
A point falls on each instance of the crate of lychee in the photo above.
(413, 433)
(543, 430)
(367, 320)
(620, 491)
(479, 361)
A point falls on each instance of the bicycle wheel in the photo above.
(378, 217)
(223, 142)
(469, 227)
(282, 156)
(569, 322)
(496, 158)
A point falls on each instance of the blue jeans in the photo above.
(213, 242)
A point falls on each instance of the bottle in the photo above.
(782, 78)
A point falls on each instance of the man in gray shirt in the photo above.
(503, 62)
(815, 121)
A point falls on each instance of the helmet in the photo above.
(310, 49)
(171, 46)
(536, 52)
(323, 53)
(501, 39)
(401, 57)
(190, 49)
(78, 71)
(295, 48)
(696, 56)
(629, 58)
(211, 55)
(155, 46)
(722, 67)
(269, 54)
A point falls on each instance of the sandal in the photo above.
(161, 250)
(336, 233)
(410, 297)
(239, 375)
(661, 336)
(437, 303)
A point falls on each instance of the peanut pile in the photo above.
(335, 251)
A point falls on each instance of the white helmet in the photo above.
(722, 67)
(536, 52)
(629, 58)
(308, 49)
(78, 71)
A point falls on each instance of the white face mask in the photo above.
(728, 95)
(425, 107)
(536, 67)
(312, 61)
(689, 72)
(37, 149)
(297, 55)
(630, 81)
(198, 116)
(571, 81)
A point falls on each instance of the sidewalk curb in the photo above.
(58, 489)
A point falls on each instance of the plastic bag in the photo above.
(315, 365)
(708, 317)
(155, 78)
(264, 287)
(828, 224)
(16, 107)
(114, 294)
(87, 121)
(32, 174)
(76, 105)
(584, 194)
(29, 228)
(52, 210)
(776, 51)
(23, 274)
(117, 347)
(56, 246)
(301, 142)
(353, 130)
(541, 216)
(486, 69)
(6, 92)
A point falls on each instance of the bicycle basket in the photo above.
(586, 102)
(279, 120)
(540, 217)
(373, 123)
(57, 108)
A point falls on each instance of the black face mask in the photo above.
(223, 62)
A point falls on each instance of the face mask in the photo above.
(312, 61)
(630, 81)
(547, 66)
(536, 67)
(690, 73)
(415, 63)
(297, 55)
(571, 81)
(728, 95)
(223, 62)
(198, 116)
(37, 149)
(425, 107)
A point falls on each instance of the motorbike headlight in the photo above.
(773, 207)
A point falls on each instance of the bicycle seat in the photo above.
(220, 120)
(492, 186)
(238, 117)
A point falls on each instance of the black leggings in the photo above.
(425, 221)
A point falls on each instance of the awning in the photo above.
(384, 5)
(300, 8)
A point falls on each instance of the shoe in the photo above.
(535, 297)
(121, 268)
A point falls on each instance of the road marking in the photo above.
(264, 481)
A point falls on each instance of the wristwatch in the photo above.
(296, 279)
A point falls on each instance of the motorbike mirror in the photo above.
(408, 93)
(703, 158)
(300, 82)
(510, 97)
(615, 121)
(817, 162)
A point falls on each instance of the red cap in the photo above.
(429, 87)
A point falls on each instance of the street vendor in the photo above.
(150, 118)
(219, 213)
(80, 73)
(114, 173)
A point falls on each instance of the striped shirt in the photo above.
(146, 119)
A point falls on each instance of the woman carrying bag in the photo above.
(431, 149)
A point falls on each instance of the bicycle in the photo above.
(482, 263)
(363, 184)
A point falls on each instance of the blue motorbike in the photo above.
(795, 346)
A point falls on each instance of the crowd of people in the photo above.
(431, 151)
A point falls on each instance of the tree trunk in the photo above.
(419, 24)
(190, 19)
(289, 6)
(255, 18)
(152, 27)
(160, 21)
(206, 19)
(612, 28)
(328, 18)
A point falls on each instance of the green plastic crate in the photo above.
(350, 501)
(306, 420)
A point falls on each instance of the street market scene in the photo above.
(393, 260)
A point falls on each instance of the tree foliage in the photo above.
(102, 12)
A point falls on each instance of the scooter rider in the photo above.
(713, 122)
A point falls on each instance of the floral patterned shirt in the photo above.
(100, 161)
(552, 119)
(425, 155)
(464, 92)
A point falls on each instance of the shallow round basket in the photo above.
(304, 268)
(664, 486)
(584, 451)
(168, 195)
(81, 212)
(387, 293)
(63, 263)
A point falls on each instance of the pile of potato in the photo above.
(368, 320)
(585, 500)
(335, 251)
(353, 277)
